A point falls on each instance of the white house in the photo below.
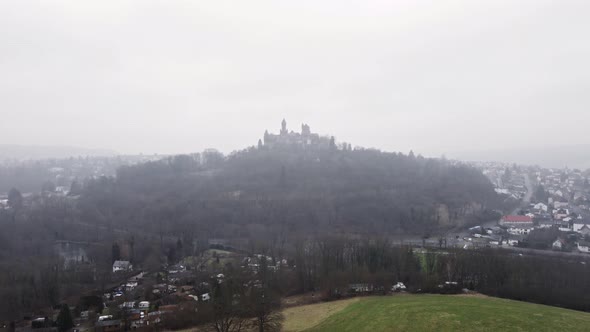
(560, 213)
(512, 242)
(399, 287)
(580, 226)
(541, 207)
(560, 205)
(127, 305)
(519, 230)
(584, 246)
(558, 244)
(122, 266)
(360, 288)
(205, 297)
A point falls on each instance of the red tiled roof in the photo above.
(517, 219)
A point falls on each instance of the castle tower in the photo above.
(284, 127)
(305, 131)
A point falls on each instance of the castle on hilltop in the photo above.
(305, 139)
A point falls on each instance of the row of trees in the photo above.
(331, 264)
(328, 266)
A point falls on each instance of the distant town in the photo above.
(551, 213)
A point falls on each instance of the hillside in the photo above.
(260, 192)
(434, 313)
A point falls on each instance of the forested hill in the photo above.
(255, 192)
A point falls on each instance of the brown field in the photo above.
(304, 317)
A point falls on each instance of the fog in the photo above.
(181, 76)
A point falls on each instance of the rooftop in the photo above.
(124, 264)
(517, 219)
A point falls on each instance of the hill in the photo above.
(261, 192)
(435, 313)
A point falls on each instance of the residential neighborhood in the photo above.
(551, 208)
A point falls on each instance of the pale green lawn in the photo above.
(433, 313)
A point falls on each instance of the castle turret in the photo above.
(284, 127)
(305, 130)
(266, 137)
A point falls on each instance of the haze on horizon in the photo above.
(182, 76)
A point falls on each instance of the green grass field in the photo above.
(434, 313)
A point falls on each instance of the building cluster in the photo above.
(56, 175)
(555, 214)
(287, 138)
(566, 186)
(304, 139)
(153, 300)
(507, 179)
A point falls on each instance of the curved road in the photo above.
(529, 188)
(526, 200)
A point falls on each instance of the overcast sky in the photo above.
(180, 76)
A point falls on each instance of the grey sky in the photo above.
(180, 76)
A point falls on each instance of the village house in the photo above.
(558, 244)
(581, 227)
(512, 242)
(559, 214)
(546, 223)
(520, 230)
(541, 207)
(583, 246)
(585, 230)
(560, 204)
(108, 326)
(122, 266)
(360, 288)
(521, 222)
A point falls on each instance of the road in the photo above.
(456, 237)
(529, 188)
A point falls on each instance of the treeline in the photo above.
(33, 275)
(331, 265)
(259, 192)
